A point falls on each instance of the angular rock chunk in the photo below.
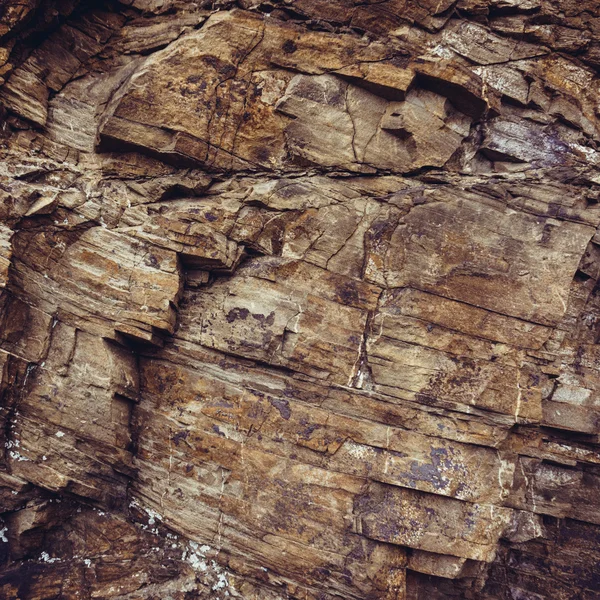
(51, 65)
(265, 313)
(5, 254)
(430, 523)
(72, 430)
(494, 258)
(224, 111)
(483, 47)
(187, 228)
(103, 282)
(518, 141)
(557, 490)
(382, 79)
(209, 106)
(355, 127)
(465, 318)
(440, 565)
(409, 359)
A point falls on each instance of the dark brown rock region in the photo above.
(300, 299)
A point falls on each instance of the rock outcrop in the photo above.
(300, 299)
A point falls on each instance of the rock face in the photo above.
(300, 300)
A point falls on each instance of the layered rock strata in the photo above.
(300, 300)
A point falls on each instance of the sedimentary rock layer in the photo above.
(300, 299)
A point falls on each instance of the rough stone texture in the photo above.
(299, 299)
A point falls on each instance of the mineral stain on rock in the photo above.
(299, 300)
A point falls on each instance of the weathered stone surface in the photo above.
(299, 300)
(421, 521)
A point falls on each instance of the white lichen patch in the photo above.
(153, 516)
(359, 450)
(45, 557)
(16, 456)
(221, 583)
(209, 571)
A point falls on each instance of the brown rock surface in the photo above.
(300, 300)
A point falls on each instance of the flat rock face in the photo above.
(299, 300)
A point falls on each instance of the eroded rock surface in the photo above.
(300, 300)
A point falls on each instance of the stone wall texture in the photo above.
(299, 299)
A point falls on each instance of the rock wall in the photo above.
(300, 299)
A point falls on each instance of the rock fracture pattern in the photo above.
(300, 299)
